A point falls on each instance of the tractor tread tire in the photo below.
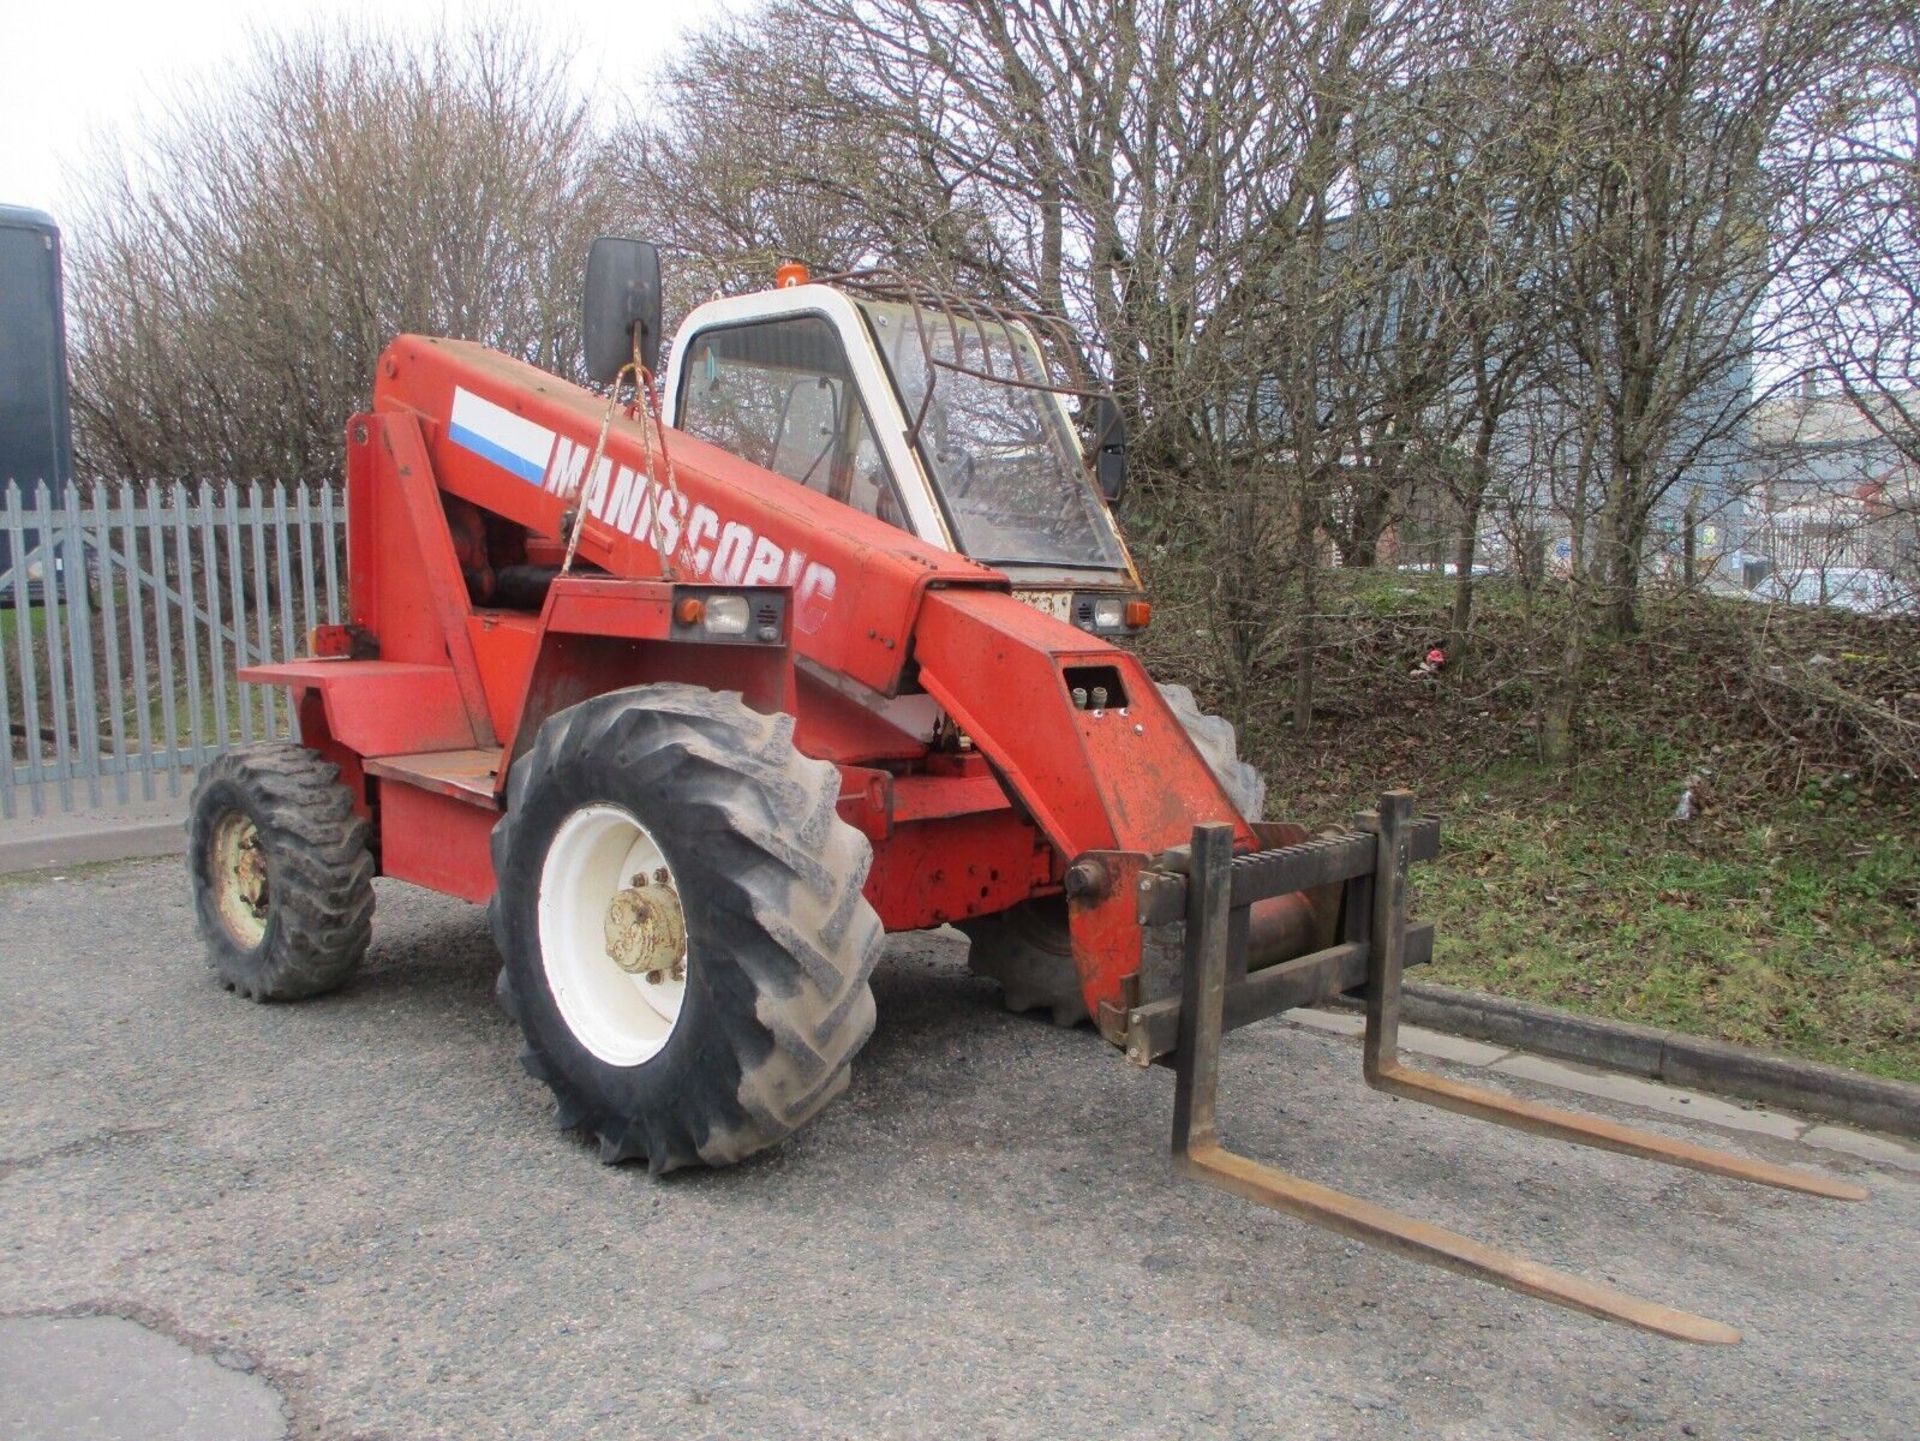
(319, 867)
(1214, 737)
(781, 939)
(1028, 950)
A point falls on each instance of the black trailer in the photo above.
(36, 431)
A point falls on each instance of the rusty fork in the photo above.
(1198, 1152)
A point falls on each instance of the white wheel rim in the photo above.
(623, 1018)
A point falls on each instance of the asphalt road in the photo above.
(360, 1203)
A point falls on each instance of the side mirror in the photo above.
(622, 300)
(1109, 448)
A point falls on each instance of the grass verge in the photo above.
(1784, 914)
(1795, 934)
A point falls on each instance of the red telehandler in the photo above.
(702, 709)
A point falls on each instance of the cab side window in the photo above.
(780, 394)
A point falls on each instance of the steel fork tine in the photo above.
(1432, 1090)
(1385, 1073)
(1437, 1246)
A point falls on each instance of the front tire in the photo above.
(1213, 736)
(1028, 949)
(685, 944)
(282, 878)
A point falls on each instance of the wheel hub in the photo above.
(250, 874)
(646, 930)
(238, 869)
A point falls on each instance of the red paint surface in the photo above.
(436, 841)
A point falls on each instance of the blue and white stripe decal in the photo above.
(510, 441)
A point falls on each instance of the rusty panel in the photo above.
(947, 870)
(392, 592)
(505, 645)
(423, 550)
(875, 801)
(365, 604)
(924, 798)
(314, 735)
(1156, 786)
(866, 801)
(462, 775)
(1127, 780)
(605, 605)
(1107, 939)
(573, 668)
(833, 728)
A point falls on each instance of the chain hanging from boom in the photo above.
(645, 409)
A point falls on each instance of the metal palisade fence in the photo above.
(126, 613)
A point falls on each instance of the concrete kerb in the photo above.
(128, 831)
(1870, 1102)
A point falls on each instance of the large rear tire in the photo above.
(1028, 949)
(685, 943)
(282, 879)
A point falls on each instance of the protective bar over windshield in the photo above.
(991, 432)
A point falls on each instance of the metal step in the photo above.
(466, 775)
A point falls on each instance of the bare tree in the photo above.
(1489, 249)
(237, 277)
(1859, 274)
(1177, 178)
(769, 149)
(1668, 146)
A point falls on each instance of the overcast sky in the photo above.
(76, 68)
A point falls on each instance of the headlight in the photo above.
(726, 615)
(1108, 614)
(755, 617)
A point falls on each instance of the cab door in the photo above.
(790, 380)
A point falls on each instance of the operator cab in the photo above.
(937, 415)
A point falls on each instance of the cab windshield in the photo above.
(994, 440)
